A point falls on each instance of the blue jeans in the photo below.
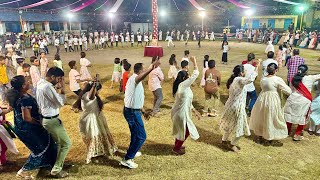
(251, 99)
(138, 133)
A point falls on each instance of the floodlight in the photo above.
(69, 15)
(202, 13)
(163, 13)
(301, 8)
(111, 15)
(249, 12)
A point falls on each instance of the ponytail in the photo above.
(297, 78)
(236, 73)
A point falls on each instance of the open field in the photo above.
(204, 158)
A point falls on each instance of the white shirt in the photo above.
(75, 41)
(139, 38)
(56, 42)
(225, 48)
(155, 78)
(74, 75)
(249, 69)
(134, 94)
(185, 59)
(35, 75)
(265, 65)
(41, 45)
(48, 99)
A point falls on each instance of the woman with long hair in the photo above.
(93, 124)
(234, 118)
(181, 110)
(297, 107)
(29, 129)
(267, 118)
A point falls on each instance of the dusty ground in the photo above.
(204, 158)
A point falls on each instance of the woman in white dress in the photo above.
(93, 124)
(297, 107)
(181, 110)
(212, 38)
(6, 142)
(234, 118)
(267, 118)
(303, 44)
(315, 111)
(84, 63)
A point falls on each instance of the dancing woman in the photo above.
(267, 118)
(297, 107)
(93, 124)
(181, 110)
(29, 129)
(234, 118)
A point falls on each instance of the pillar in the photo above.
(2, 28)
(155, 20)
(46, 27)
(65, 26)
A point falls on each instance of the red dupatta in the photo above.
(307, 94)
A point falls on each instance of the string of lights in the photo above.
(134, 10)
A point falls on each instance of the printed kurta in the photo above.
(181, 110)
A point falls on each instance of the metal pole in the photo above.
(111, 24)
(202, 23)
(70, 24)
(301, 21)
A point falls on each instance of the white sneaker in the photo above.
(129, 163)
(138, 154)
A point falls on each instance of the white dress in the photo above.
(94, 129)
(84, 72)
(267, 118)
(181, 110)
(304, 42)
(173, 72)
(315, 105)
(234, 118)
(297, 106)
(6, 138)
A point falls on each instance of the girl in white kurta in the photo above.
(315, 111)
(84, 63)
(181, 110)
(267, 118)
(234, 118)
(297, 107)
(205, 68)
(93, 124)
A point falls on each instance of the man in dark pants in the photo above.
(133, 104)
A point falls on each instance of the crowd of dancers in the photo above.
(36, 106)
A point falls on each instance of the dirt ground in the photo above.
(204, 158)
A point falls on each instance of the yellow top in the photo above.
(3, 75)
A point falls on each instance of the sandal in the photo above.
(235, 149)
(61, 174)
(24, 175)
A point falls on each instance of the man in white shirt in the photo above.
(251, 90)
(133, 104)
(57, 45)
(41, 46)
(49, 101)
(155, 78)
(265, 63)
(186, 56)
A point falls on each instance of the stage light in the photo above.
(249, 12)
(202, 13)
